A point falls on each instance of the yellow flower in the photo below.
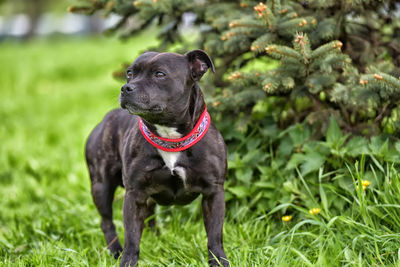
(314, 211)
(287, 218)
(364, 184)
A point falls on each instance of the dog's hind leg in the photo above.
(103, 194)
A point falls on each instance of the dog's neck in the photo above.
(178, 129)
(167, 132)
(183, 122)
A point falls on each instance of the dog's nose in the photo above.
(127, 88)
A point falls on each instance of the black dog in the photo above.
(168, 151)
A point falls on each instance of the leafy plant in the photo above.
(303, 91)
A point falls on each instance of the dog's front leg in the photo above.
(214, 213)
(134, 212)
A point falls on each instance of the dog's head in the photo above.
(159, 85)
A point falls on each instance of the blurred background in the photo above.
(26, 19)
(56, 84)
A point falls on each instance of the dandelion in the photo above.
(287, 218)
(314, 211)
(365, 184)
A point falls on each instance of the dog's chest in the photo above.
(171, 158)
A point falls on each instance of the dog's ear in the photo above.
(199, 63)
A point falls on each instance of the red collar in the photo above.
(180, 144)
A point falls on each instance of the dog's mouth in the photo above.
(137, 110)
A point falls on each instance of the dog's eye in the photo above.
(160, 74)
(129, 74)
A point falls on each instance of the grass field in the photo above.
(52, 93)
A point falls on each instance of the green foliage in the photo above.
(293, 154)
(298, 132)
(48, 107)
(306, 37)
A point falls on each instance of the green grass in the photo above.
(52, 93)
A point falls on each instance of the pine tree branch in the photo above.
(279, 51)
(222, 68)
(326, 48)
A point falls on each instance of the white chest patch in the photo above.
(167, 132)
(170, 158)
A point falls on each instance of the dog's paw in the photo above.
(220, 261)
(116, 255)
(116, 250)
